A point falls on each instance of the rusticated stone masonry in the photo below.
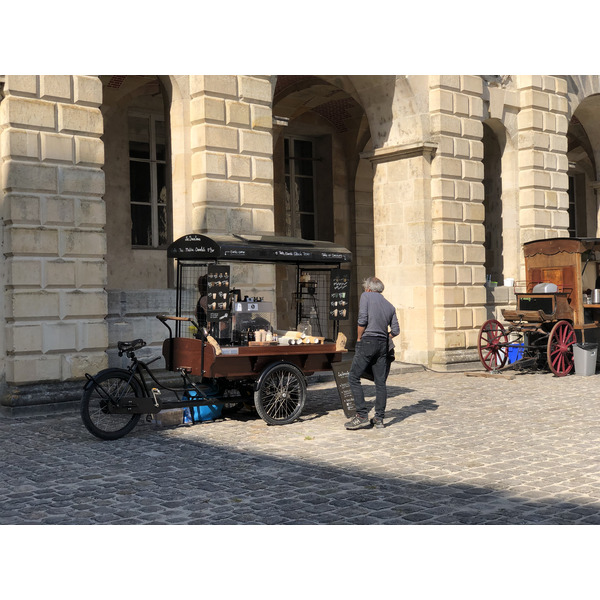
(232, 159)
(458, 236)
(53, 266)
(543, 163)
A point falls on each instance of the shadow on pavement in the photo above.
(396, 415)
(59, 474)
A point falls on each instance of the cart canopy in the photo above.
(257, 248)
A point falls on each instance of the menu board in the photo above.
(339, 294)
(217, 293)
(341, 370)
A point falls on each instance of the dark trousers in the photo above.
(370, 351)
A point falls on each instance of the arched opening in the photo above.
(319, 132)
(138, 181)
(583, 137)
(137, 165)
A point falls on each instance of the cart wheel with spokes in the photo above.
(492, 345)
(281, 394)
(111, 387)
(560, 348)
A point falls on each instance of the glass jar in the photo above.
(305, 327)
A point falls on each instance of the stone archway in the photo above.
(137, 166)
(318, 117)
(583, 153)
(138, 182)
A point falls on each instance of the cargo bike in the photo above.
(554, 311)
(214, 347)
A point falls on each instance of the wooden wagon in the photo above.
(554, 310)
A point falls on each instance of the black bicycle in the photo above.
(114, 399)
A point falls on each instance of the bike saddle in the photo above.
(129, 346)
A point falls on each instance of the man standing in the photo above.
(377, 324)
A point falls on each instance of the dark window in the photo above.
(147, 180)
(300, 186)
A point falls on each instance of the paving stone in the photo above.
(455, 450)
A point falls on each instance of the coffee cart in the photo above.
(224, 343)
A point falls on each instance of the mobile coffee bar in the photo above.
(223, 343)
(557, 313)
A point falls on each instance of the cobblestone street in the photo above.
(457, 449)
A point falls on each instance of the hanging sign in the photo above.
(339, 294)
(217, 287)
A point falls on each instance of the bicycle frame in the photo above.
(150, 401)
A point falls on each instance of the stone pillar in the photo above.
(232, 154)
(53, 218)
(402, 240)
(542, 155)
(232, 161)
(459, 295)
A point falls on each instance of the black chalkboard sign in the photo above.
(341, 371)
(218, 286)
(339, 295)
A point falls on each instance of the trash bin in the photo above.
(585, 358)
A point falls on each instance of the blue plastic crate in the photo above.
(515, 352)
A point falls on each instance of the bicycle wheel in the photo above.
(281, 395)
(110, 387)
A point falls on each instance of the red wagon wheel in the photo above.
(560, 348)
(491, 345)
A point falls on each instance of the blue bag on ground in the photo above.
(204, 413)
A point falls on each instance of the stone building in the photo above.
(433, 182)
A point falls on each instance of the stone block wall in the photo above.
(542, 157)
(456, 109)
(232, 161)
(53, 213)
(132, 315)
(232, 154)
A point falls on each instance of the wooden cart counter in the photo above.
(246, 361)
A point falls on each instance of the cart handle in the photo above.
(202, 331)
(164, 318)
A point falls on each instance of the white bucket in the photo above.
(509, 282)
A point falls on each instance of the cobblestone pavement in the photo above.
(456, 449)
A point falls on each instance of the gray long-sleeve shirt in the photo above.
(375, 314)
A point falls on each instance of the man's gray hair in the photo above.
(373, 284)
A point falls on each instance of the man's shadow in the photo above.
(399, 414)
(396, 415)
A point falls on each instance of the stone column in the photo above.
(456, 109)
(542, 155)
(232, 160)
(232, 154)
(53, 218)
(402, 240)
